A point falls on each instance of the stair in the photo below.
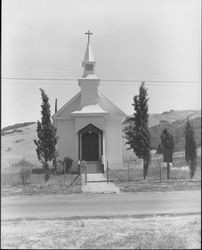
(97, 183)
(96, 177)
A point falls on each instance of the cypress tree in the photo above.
(190, 148)
(46, 143)
(167, 145)
(137, 129)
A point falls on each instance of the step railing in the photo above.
(82, 166)
(111, 171)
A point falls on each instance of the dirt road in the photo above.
(90, 205)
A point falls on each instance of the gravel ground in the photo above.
(39, 189)
(159, 232)
(171, 185)
(138, 186)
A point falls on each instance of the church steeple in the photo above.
(89, 62)
(89, 82)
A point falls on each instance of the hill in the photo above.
(14, 128)
(17, 140)
(176, 128)
(174, 121)
(172, 116)
(16, 145)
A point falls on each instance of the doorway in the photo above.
(91, 148)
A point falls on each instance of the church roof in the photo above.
(93, 109)
(88, 54)
(104, 106)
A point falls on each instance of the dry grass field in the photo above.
(20, 145)
(158, 232)
(17, 146)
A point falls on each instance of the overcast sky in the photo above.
(151, 40)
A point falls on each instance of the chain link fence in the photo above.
(133, 170)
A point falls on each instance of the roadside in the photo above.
(85, 204)
(155, 232)
(156, 186)
(131, 186)
(39, 189)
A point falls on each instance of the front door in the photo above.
(90, 146)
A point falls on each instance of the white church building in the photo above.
(89, 126)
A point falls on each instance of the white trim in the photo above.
(66, 105)
(102, 96)
(55, 116)
(63, 118)
(88, 114)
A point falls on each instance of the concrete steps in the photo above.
(96, 178)
(97, 183)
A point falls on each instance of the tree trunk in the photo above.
(144, 168)
(47, 172)
(168, 170)
(55, 165)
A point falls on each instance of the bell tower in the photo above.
(89, 62)
(89, 82)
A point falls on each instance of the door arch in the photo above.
(91, 146)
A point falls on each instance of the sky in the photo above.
(156, 41)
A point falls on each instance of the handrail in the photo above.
(108, 169)
(82, 168)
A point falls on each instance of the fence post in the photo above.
(158, 164)
(168, 170)
(107, 173)
(64, 170)
(31, 175)
(86, 173)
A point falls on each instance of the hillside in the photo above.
(17, 140)
(17, 145)
(173, 115)
(176, 128)
(174, 121)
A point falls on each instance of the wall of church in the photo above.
(113, 143)
(67, 139)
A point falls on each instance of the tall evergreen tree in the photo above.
(190, 148)
(46, 143)
(167, 145)
(137, 129)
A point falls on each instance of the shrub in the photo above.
(25, 174)
(41, 170)
(38, 171)
(68, 164)
(22, 163)
(25, 169)
(17, 173)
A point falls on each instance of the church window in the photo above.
(89, 67)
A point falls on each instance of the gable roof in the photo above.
(112, 104)
(103, 101)
(91, 110)
(66, 105)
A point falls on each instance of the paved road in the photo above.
(55, 206)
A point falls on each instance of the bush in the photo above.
(25, 169)
(22, 163)
(41, 170)
(25, 174)
(68, 163)
(17, 173)
(38, 171)
(60, 165)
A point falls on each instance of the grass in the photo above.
(156, 186)
(158, 232)
(179, 171)
(39, 189)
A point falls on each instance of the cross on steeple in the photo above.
(88, 33)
